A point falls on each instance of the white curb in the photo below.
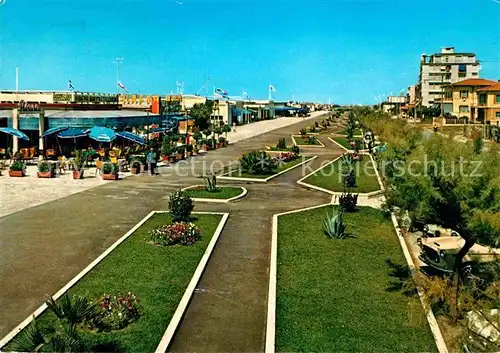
(244, 191)
(224, 177)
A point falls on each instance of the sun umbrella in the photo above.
(101, 134)
(72, 133)
(132, 137)
(14, 132)
(54, 130)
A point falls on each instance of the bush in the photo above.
(334, 226)
(303, 132)
(182, 233)
(281, 144)
(296, 149)
(117, 312)
(257, 163)
(166, 150)
(180, 206)
(211, 183)
(17, 166)
(348, 201)
(311, 140)
(109, 168)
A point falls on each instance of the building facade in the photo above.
(489, 103)
(441, 69)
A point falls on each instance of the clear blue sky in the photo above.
(350, 51)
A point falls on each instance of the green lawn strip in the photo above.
(356, 132)
(331, 294)
(235, 173)
(344, 142)
(330, 177)
(225, 192)
(158, 275)
(303, 141)
(274, 148)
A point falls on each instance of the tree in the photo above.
(451, 185)
(201, 112)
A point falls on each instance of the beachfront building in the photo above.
(441, 69)
(462, 99)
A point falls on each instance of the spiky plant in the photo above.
(31, 339)
(334, 226)
(211, 183)
(348, 201)
(73, 311)
(281, 144)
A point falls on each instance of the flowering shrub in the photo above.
(176, 233)
(285, 157)
(117, 312)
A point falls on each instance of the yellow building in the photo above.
(461, 98)
(489, 103)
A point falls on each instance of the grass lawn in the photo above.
(158, 275)
(330, 177)
(287, 149)
(303, 141)
(282, 167)
(225, 192)
(357, 131)
(332, 294)
(344, 142)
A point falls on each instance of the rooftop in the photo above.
(493, 88)
(474, 82)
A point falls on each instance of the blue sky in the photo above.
(349, 51)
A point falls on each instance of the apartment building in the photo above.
(489, 103)
(441, 69)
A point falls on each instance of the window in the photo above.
(462, 74)
(463, 109)
(448, 94)
(497, 99)
(462, 68)
(498, 115)
(474, 74)
(482, 99)
(464, 94)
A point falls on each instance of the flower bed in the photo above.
(182, 233)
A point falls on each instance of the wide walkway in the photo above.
(43, 247)
(17, 194)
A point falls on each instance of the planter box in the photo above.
(205, 148)
(45, 174)
(78, 174)
(16, 173)
(109, 176)
(164, 158)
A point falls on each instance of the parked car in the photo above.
(434, 231)
(441, 252)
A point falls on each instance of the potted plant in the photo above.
(205, 146)
(79, 164)
(109, 171)
(165, 148)
(46, 169)
(189, 150)
(222, 142)
(135, 167)
(16, 169)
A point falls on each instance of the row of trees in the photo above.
(441, 181)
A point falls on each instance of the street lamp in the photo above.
(117, 62)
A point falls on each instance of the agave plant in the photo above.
(257, 163)
(211, 183)
(334, 226)
(73, 311)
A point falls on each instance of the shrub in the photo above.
(257, 163)
(303, 132)
(166, 150)
(311, 140)
(350, 179)
(44, 166)
(180, 206)
(281, 144)
(285, 157)
(17, 166)
(80, 159)
(117, 312)
(189, 148)
(296, 149)
(182, 233)
(109, 168)
(334, 226)
(348, 201)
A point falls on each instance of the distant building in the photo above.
(394, 103)
(441, 69)
(461, 98)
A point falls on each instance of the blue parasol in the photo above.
(71, 133)
(54, 130)
(101, 134)
(14, 132)
(132, 137)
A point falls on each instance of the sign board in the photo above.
(174, 98)
(93, 98)
(136, 101)
(28, 107)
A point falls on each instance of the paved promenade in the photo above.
(17, 194)
(43, 247)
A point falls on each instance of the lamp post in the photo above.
(117, 62)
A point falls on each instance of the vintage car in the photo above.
(440, 253)
(434, 231)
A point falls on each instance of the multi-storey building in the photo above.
(489, 103)
(441, 69)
